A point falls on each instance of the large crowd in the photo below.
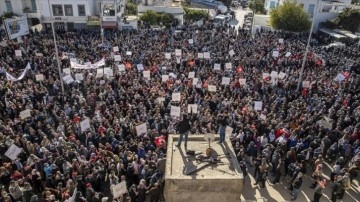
(289, 129)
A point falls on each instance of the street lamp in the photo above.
(307, 48)
(56, 52)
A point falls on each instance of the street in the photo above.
(240, 16)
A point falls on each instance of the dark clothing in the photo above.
(184, 126)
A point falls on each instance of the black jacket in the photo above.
(184, 126)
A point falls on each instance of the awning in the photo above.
(109, 25)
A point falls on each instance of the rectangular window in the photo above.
(311, 9)
(68, 10)
(33, 5)
(8, 6)
(81, 10)
(57, 10)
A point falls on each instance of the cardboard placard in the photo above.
(193, 108)
(176, 97)
(146, 74)
(68, 79)
(225, 81)
(258, 105)
(117, 58)
(168, 56)
(140, 67)
(39, 77)
(25, 114)
(141, 129)
(121, 67)
(191, 75)
(175, 111)
(84, 125)
(79, 76)
(211, 88)
(164, 78)
(13, 152)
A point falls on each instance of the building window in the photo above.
(68, 10)
(33, 5)
(81, 10)
(57, 10)
(8, 6)
(311, 9)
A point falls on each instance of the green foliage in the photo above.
(349, 19)
(290, 16)
(130, 9)
(6, 15)
(195, 15)
(157, 18)
(257, 6)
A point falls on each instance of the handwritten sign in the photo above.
(146, 74)
(195, 81)
(67, 71)
(217, 66)
(140, 67)
(121, 67)
(228, 65)
(168, 56)
(258, 105)
(191, 75)
(275, 54)
(84, 125)
(306, 84)
(117, 58)
(177, 52)
(39, 77)
(242, 82)
(25, 114)
(108, 72)
(141, 129)
(200, 55)
(79, 76)
(193, 108)
(211, 88)
(225, 81)
(116, 49)
(119, 190)
(13, 152)
(207, 55)
(164, 78)
(176, 97)
(282, 75)
(175, 111)
(68, 79)
(18, 53)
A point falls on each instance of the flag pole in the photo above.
(56, 52)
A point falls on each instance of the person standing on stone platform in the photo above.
(184, 128)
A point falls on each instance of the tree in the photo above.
(154, 18)
(130, 9)
(349, 19)
(6, 15)
(195, 15)
(257, 6)
(290, 16)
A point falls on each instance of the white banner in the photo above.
(96, 65)
(175, 111)
(141, 129)
(13, 152)
(11, 78)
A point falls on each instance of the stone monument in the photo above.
(212, 174)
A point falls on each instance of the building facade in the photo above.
(28, 8)
(325, 10)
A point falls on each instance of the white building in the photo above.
(326, 10)
(27, 8)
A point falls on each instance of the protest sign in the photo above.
(119, 190)
(117, 58)
(191, 41)
(84, 125)
(200, 55)
(67, 71)
(79, 76)
(212, 88)
(263, 117)
(217, 66)
(164, 78)
(275, 53)
(39, 77)
(225, 81)
(242, 81)
(177, 52)
(99, 73)
(18, 53)
(108, 72)
(175, 111)
(274, 74)
(281, 40)
(68, 79)
(176, 97)
(339, 77)
(168, 56)
(13, 152)
(195, 81)
(265, 75)
(39, 55)
(231, 53)
(258, 105)
(306, 84)
(140, 67)
(146, 74)
(282, 75)
(128, 53)
(191, 75)
(121, 67)
(25, 114)
(116, 49)
(287, 54)
(228, 65)
(193, 108)
(141, 129)
(207, 55)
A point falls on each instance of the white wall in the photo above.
(44, 6)
(16, 6)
